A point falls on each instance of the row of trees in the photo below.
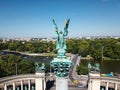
(11, 64)
(95, 48)
(33, 47)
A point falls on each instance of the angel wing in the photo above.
(56, 28)
(66, 24)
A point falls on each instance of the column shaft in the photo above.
(5, 86)
(21, 85)
(29, 88)
(89, 85)
(115, 86)
(107, 83)
(13, 85)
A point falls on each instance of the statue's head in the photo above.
(60, 32)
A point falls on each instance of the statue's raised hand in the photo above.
(56, 30)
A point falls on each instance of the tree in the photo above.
(116, 51)
(83, 47)
(26, 66)
(82, 70)
(12, 46)
(10, 63)
(2, 71)
(72, 46)
(28, 46)
(95, 50)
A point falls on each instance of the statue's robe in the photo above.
(61, 44)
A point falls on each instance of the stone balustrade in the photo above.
(29, 80)
(20, 80)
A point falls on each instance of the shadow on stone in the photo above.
(49, 84)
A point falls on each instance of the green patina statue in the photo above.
(94, 68)
(60, 64)
(39, 68)
(61, 44)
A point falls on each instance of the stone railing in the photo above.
(18, 81)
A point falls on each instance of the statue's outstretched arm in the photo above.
(55, 25)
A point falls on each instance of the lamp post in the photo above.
(16, 68)
(50, 71)
(102, 52)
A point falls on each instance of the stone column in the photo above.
(61, 83)
(13, 85)
(5, 86)
(29, 87)
(94, 81)
(21, 85)
(43, 88)
(89, 85)
(106, 88)
(44, 83)
(115, 86)
(39, 81)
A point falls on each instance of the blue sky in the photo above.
(33, 18)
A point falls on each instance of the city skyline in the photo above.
(33, 18)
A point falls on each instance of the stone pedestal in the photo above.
(40, 81)
(94, 81)
(61, 83)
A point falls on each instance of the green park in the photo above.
(97, 50)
